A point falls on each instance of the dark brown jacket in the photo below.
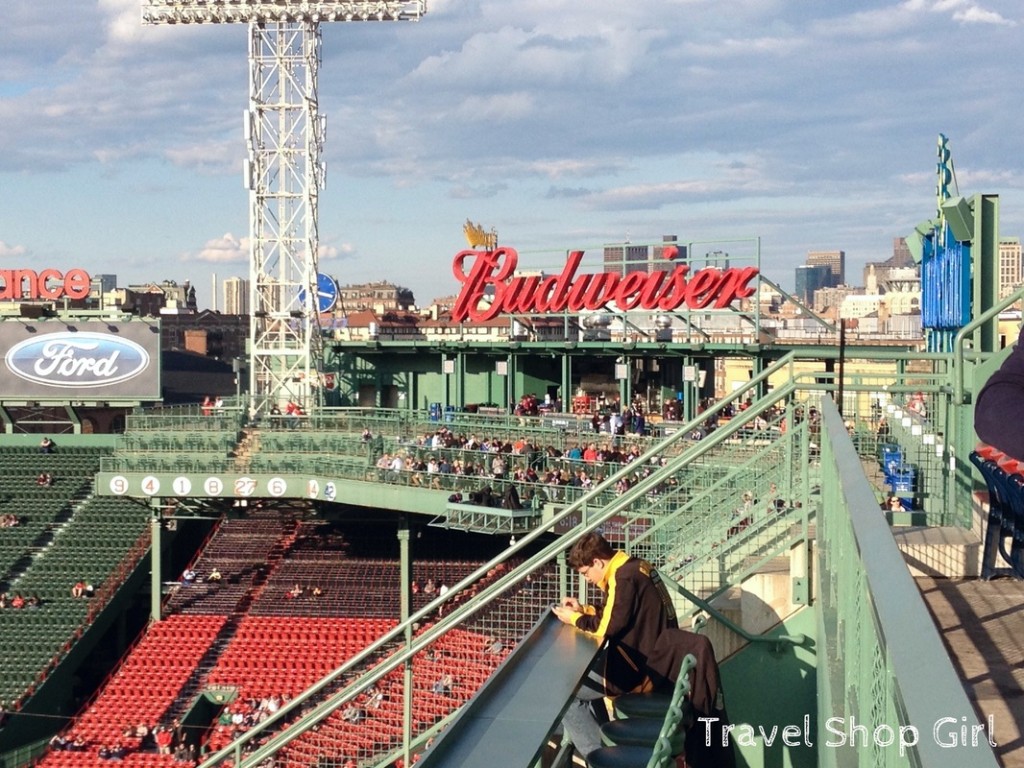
(633, 616)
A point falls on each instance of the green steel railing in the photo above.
(325, 696)
(887, 667)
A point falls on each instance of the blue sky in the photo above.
(809, 124)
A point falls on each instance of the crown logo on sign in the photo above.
(476, 236)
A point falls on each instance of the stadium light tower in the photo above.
(284, 173)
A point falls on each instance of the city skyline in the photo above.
(812, 128)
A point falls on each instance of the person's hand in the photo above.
(570, 602)
(564, 614)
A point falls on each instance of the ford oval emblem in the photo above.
(77, 359)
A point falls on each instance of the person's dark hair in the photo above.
(591, 547)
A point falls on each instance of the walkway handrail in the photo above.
(777, 641)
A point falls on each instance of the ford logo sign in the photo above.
(77, 359)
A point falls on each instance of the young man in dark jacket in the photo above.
(635, 612)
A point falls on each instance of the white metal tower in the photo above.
(284, 173)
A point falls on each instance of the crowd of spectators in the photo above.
(243, 714)
(17, 601)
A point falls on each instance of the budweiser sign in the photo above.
(572, 292)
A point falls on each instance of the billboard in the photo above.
(69, 359)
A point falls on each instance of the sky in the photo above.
(798, 125)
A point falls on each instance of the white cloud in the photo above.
(11, 251)
(331, 252)
(976, 15)
(224, 249)
(963, 11)
(214, 156)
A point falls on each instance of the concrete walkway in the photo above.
(982, 625)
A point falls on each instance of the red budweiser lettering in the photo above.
(568, 291)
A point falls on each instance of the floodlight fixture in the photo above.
(270, 12)
(284, 173)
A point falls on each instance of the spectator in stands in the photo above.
(214, 575)
(443, 685)
(58, 742)
(353, 714)
(164, 740)
(916, 404)
(882, 431)
(293, 412)
(17, 601)
(4, 601)
(44, 480)
(188, 576)
(295, 591)
(47, 445)
(633, 616)
(999, 409)
(395, 468)
(178, 732)
(376, 700)
(207, 406)
(78, 590)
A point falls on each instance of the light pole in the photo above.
(284, 173)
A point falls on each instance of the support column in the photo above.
(512, 373)
(405, 606)
(566, 392)
(155, 560)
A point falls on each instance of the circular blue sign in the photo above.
(326, 293)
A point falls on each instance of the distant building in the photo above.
(379, 297)
(829, 300)
(659, 260)
(901, 263)
(834, 260)
(623, 259)
(1010, 266)
(99, 287)
(811, 278)
(206, 333)
(236, 296)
